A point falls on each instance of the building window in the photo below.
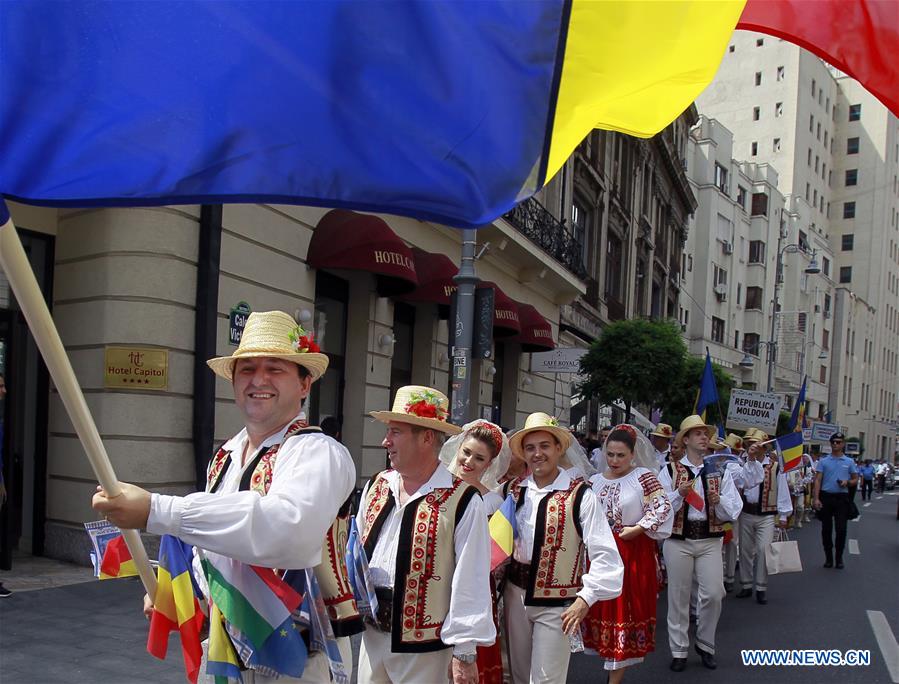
(756, 252)
(825, 266)
(751, 343)
(852, 146)
(817, 162)
(845, 274)
(730, 48)
(825, 139)
(755, 149)
(851, 176)
(827, 304)
(848, 242)
(741, 197)
(809, 160)
(756, 113)
(719, 275)
(815, 197)
(759, 42)
(808, 192)
(823, 170)
(759, 204)
(811, 123)
(776, 145)
(818, 128)
(330, 325)
(721, 178)
(717, 330)
(736, 339)
(754, 298)
(803, 240)
(814, 88)
(822, 378)
(758, 78)
(779, 109)
(855, 112)
(780, 73)
(848, 210)
(825, 340)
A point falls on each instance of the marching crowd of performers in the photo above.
(596, 536)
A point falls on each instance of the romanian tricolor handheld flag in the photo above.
(117, 561)
(503, 531)
(797, 418)
(176, 606)
(789, 449)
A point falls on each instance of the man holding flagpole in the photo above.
(274, 489)
(702, 504)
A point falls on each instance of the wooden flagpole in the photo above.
(28, 294)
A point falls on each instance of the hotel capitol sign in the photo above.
(562, 360)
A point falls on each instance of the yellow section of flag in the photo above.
(635, 65)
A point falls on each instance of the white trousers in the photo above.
(756, 534)
(379, 665)
(538, 648)
(686, 559)
(731, 552)
(316, 671)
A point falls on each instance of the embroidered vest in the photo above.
(331, 573)
(557, 562)
(680, 476)
(425, 559)
(768, 489)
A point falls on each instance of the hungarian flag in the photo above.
(503, 530)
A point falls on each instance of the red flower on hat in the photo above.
(303, 341)
(426, 405)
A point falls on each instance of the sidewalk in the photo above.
(35, 572)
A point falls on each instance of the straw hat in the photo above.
(274, 334)
(716, 444)
(734, 441)
(663, 430)
(691, 423)
(537, 422)
(754, 435)
(421, 406)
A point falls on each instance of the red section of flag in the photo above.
(695, 500)
(114, 556)
(859, 37)
(191, 648)
(286, 593)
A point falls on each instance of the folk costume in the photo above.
(666, 432)
(557, 525)
(761, 503)
(623, 630)
(273, 508)
(694, 548)
(745, 474)
(429, 560)
(490, 658)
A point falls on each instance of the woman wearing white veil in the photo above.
(480, 456)
(639, 513)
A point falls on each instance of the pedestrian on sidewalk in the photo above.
(702, 504)
(866, 473)
(277, 493)
(762, 503)
(835, 474)
(638, 511)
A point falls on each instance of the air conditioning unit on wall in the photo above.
(721, 290)
(728, 248)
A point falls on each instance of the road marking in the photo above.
(853, 547)
(857, 519)
(867, 504)
(879, 497)
(887, 642)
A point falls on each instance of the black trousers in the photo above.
(867, 488)
(834, 508)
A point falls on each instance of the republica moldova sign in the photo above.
(754, 410)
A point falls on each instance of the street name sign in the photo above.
(753, 410)
(237, 319)
(562, 360)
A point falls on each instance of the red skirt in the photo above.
(490, 658)
(625, 627)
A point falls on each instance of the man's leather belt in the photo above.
(519, 574)
(696, 529)
(384, 616)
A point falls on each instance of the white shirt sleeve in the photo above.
(752, 474)
(469, 622)
(784, 500)
(285, 529)
(730, 505)
(606, 575)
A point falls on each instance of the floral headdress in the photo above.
(426, 404)
(302, 341)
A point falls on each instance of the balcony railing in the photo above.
(543, 229)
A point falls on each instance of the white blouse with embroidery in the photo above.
(637, 498)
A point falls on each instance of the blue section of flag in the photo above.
(708, 390)
(789, 449)
(337, 104)
(283, 653)
(799, 409)
(358, 574)
(716, 463)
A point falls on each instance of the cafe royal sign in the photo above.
(136, 368)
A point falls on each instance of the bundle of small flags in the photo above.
(110, 556)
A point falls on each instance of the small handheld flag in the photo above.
(110, 554)
(716, 463)
(503, 531)
(789, 450)
(694, 499)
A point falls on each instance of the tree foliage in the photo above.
(633, 361)
(680, 397)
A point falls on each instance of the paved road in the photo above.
(94, 632)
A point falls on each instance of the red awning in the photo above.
(360, 242)
(536, 332)
(435, 280)
(505, 312)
